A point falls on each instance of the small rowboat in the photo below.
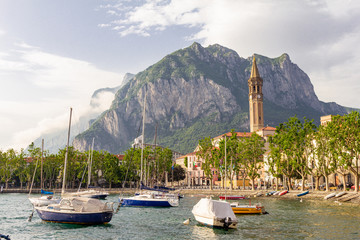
(270, 193)
(232, 197)
(283, 192)
(340, 194)
(302, 194)
(247, 209)
(330, 195)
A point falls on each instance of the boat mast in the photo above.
(42, 157)
(225, 168)
(90, 162)
(66, 156)
(142, 143)
(157, 161)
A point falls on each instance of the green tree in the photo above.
(348, 133)
(254, 156)
(8, 166)
(113, 171)
(289, 149)
(274, 161)
(303, 137)
(179, 173)
(324, 153)
(20, 168)
(205, 154)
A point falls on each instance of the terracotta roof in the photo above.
(267, 129)
(238, 134)
(29, 159)
(120, 156)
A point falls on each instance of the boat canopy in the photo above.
(83, 204)
(212, 208)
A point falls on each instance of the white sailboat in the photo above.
(151, 199)
(45, 199)
(76, 210)
(89, 193)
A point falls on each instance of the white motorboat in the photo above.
(44, 200)
(214, 213)
(149, 200)
(89, 194)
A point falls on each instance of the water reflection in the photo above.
(287, 219)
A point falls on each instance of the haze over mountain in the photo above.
(197, 92)
(99, 102)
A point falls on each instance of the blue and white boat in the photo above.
(149, 200)
(77, 210)
(302, 194)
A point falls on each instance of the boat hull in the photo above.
(231, 197)
(247, 210)
(283, 193)
(213, 222)
(129, 202)
(302, 194)
(75, 218)
(331, 195)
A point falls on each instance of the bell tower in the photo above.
(256, 112)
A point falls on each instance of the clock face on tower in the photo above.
(258, 96)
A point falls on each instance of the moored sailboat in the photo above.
(76, 210)
(154, 197)
(89, 193)
(48, 197)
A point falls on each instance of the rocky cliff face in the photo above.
(197, 92)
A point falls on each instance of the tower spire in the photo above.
(256, 112)
(254, 70)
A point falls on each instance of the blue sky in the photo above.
(54, 54)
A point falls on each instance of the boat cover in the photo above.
(213, 208)
(82, 204)
(46, 192)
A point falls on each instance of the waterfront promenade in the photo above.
(349, 197)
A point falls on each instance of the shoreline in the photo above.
(350, 197)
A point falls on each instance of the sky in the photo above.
(55, 54)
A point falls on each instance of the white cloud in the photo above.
(38, 88)
(321, 36)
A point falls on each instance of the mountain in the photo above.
(99, 102)
(197, 92)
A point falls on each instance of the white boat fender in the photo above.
(187, 221)
(118, 207)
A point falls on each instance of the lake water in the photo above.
(287, 219)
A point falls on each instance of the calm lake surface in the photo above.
(287, 219)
